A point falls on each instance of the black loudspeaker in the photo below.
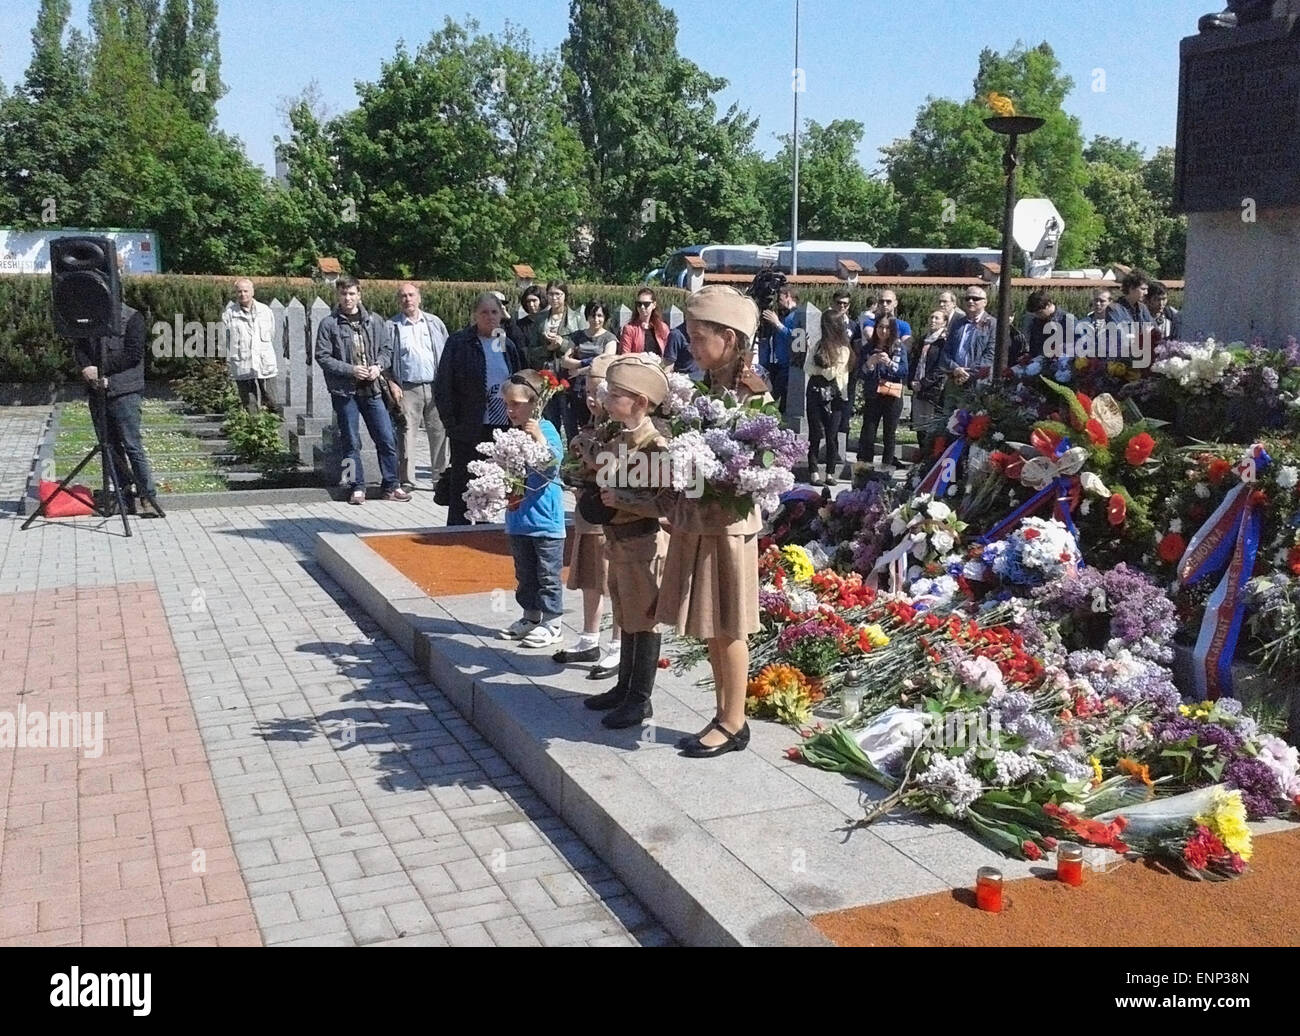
(87, 292)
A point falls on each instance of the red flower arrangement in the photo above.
(1094, 832)
(1139, 449)
(1172, 546)
(1096, 432)
(1031, 851)
(1117, 510)
(1293, 560)
(1218, 469)
(978, 426)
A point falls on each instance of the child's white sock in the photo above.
(587, 641)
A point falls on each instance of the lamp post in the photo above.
(794, 193)
(1013, 127)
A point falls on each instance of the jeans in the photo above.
(348, 411)
(557, 410)
(888, 408)
(123, 437)
(577, 415)
(538, 560)
(824, 419)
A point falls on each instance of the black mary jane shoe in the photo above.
(737, 742)
(567, 657)
(599, 672)
(690, 739)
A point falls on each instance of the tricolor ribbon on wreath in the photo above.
(941, 476)
(1053, 474)
(1227, 542)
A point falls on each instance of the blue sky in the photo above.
(872, 60)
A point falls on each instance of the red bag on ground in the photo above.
(73, 502)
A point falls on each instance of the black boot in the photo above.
(635, 708)
(615, 695)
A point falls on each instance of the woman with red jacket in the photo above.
(647, 331)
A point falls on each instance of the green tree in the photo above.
(948, 171)
(187, 56)
(1113, 151)
(837, 199)
(51, 138)
(306, 217)
(1171, 226)
(665, 170)
(1128, 216)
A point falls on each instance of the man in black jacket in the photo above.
(115, 395)
(476, 362)
(353, 349)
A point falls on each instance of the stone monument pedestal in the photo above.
(1237, 176)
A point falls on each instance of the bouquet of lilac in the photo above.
(511, 456)
(731, 452)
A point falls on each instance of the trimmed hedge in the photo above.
(30, 351)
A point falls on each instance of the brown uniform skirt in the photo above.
(588, 569)
(710, 585)
(636, 565)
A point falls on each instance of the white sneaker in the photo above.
(518, 629)
(543, 635)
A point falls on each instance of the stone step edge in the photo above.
(611, 807)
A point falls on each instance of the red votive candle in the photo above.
(1069, 863)
(988, 889)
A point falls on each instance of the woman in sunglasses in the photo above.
(647, 331)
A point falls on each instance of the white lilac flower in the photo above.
(1085, 507)
(950, 780)
(999, 437)
(1012, 767)
(1287, 476)
(1202, 490)
(1284, 761)
(1176, 525)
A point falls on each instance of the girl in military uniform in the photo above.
(588, 569)
(635, 544)
(710, 583)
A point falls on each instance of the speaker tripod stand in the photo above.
(105, 454)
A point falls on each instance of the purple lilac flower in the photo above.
(1258, 786)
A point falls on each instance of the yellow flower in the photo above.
(1227, 819)
(1184, 710)
(1000, 104)
(1081, 363)
(1096, 769)
(876, 635)
(1116, 369)
(800, 565)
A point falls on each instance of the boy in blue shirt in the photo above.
(536, 526)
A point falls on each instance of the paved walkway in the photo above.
(273, 767)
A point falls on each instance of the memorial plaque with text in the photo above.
(1239, 119)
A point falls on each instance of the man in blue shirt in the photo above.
(887, 307)
(775, 337)
(418, 341)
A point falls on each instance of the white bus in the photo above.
(821, 258)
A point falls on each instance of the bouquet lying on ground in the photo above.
(734, 453)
